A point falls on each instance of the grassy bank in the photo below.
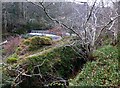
(102, 72)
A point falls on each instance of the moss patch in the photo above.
(12, 59)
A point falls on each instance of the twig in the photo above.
(106, 26)
(84, 25)
(14, 82)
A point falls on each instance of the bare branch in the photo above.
(90, 14)
(106, 26)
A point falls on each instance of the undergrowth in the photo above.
(102, 72)
(62, 61)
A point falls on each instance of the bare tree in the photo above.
(97, 20)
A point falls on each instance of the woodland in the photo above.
(75, 44)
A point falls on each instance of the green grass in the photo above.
(12, 59)
(102, 72)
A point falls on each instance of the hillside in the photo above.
(60, 44)
(104, 71)
(58, 60)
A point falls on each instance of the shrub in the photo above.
(46, 40)
(26, 41)
(33, 43)
(35, 40)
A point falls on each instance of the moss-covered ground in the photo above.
(102, 72)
